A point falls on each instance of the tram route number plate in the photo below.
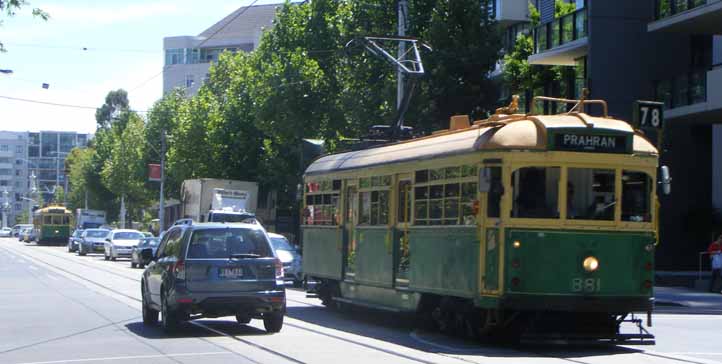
(587, 285)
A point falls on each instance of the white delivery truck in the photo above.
(89, 219)
(218, 200)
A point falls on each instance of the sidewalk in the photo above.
(686, 300)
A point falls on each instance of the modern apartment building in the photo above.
(664, 50)
(13, 171)
(188, 58)
(47, 151)
(39, 154)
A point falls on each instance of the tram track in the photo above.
(481, 355)
(214, 330)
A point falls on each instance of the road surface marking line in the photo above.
(128, 357)
(693, 353)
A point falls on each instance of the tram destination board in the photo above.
(574, 141)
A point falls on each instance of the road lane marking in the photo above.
(110, 358)
(33, 267)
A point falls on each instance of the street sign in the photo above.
(649, 114)
(154, 172)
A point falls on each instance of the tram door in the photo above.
(350, 219)
(491, 229)
(402, 257)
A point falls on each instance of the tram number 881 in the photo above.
(587, 285)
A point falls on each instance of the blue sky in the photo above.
(125, 50)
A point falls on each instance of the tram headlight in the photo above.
(590, 264)
(517, 244)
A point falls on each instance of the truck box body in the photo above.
(202, 195)
(89, 219)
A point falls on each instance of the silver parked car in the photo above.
(92, 241)
(289, 256)
(74, 241)
(5, 232)
(120, 243)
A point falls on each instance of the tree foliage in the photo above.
(9, 8)
(249, 119)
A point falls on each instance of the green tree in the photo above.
(123, 173)
(9, 8)
(522, 77)
(114, 111)
(59, 195)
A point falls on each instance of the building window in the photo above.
(34, 139)
(5, 172)
(3, 183)
(3, 148)
(174, 56)
(18, 172)
(49, 144)
(19, 149)
(67, 142)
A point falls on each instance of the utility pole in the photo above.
(402, 11)
(161, 205)
(33, 190)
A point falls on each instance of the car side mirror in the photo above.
(665, 180)
(107, 239)
(147, 255)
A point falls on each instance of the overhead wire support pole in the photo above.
(161, 202)
(408, 64)
(402, 11)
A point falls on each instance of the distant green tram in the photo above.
(538, 226)
(52, 224)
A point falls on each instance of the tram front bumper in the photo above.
(577, 303)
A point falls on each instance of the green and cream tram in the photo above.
(536, 225)
(52, 224)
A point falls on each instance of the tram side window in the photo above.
(536, 192)
(47, 220)
(636, 195)
(322, 209)
(590, 194)
(374, 208)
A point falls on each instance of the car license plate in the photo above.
(231, 273)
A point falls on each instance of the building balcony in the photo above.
(561, 41)
(6, 166)
(694, 96)
(510, 12)
(687, 16)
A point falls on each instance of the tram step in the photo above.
(370, 305)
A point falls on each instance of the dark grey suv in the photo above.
(213, 270)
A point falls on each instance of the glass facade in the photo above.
(200, 55)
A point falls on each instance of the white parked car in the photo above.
(120, 243)
(5, 232)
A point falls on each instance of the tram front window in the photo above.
(590, 194)
(536, 192)
(636, 194)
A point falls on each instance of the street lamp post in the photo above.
(33, 190)
(5, 208)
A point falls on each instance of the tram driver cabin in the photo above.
(505, 222)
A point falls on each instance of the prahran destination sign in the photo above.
(590, 143)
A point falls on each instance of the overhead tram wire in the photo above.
(227, 23)
(57, 104)
(81, 48)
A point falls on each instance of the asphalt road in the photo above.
(57, 307)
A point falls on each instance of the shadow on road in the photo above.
(400, 330)
(189, 330)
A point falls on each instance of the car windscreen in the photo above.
(221, 217)
(97, 233)
(149, 242)
(281, 244)
(224, 243)
(127, 235)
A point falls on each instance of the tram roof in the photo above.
(514, 132)
(53, 209)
